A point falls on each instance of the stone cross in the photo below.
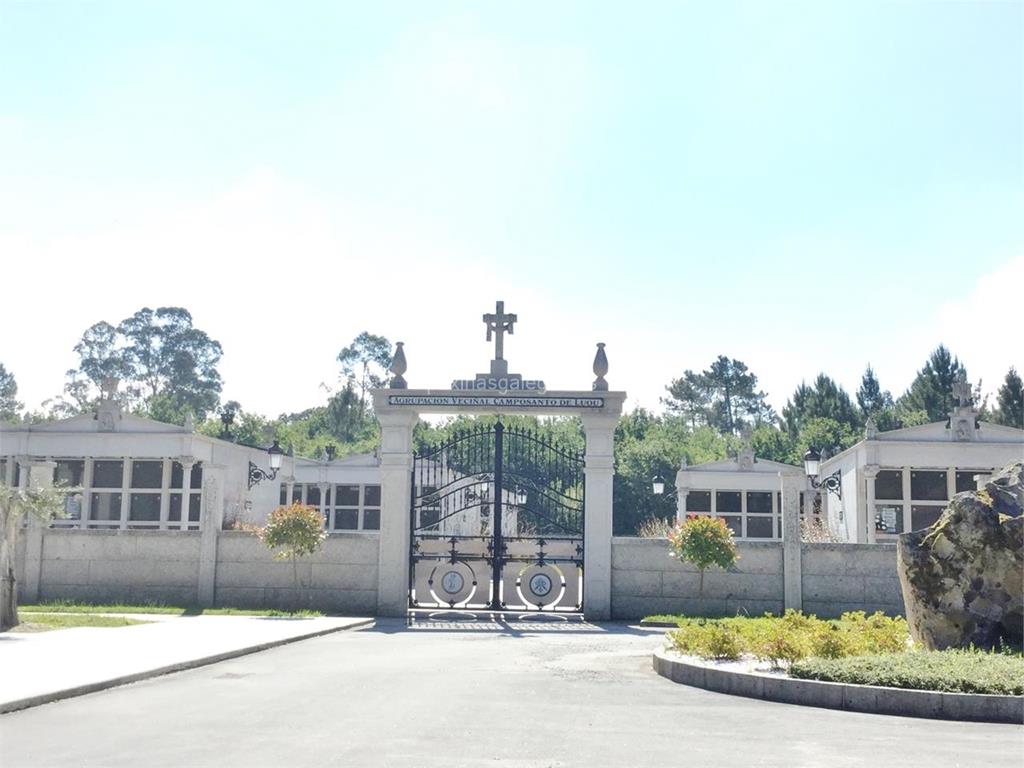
(497, 324)
(962, 392)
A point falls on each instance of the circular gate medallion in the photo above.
(540, 584)
(452, 582)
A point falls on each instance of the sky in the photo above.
(805, 187)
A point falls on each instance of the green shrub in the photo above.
(781, 644)
(708, 640)
(704, 541)
(831, 641)
(953, 671)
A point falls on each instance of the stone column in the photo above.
(395, 500)
(791, 555)
(870, 472)
(187, 462)
(681, 494)
(597, 552)
(40, 475)
(211, 520)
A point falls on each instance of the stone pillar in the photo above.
(40, 475)
(187, 462)
(395, 500)
(791, 555)
(870, 472)
(597, 553)
(211, 520)
(681, 494)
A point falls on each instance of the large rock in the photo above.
(963, 578)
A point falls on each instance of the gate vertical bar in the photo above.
(497, 564)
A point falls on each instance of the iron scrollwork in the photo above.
(833, 484)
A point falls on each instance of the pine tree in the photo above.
(870, 397)
(932, 389)
(1010, 401)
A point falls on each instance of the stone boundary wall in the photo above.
(342, 577)
(173, 567)
(850, 577)
(645, 581)
(834, 578)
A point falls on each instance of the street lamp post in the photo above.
(257, 475)
(812, 467)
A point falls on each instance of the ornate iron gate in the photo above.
(497, 523)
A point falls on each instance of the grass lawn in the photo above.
(44, 622)
(177, 610)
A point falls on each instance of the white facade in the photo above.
(899, 481)
(136, 473)
(745, 491)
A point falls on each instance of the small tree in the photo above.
(294, 531)
(704, 541)
(42, 503)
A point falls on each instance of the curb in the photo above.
(665, 624)
(877, 700)
(102, 685)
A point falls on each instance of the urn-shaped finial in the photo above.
(870, 429)
(398, 367)
(600, 369)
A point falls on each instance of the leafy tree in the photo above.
(167, 367)
(44, 503)
(932, 389)
(1010, 401)
(823, 400)
(9, 405)
(772, 444)
(365, 362)
(724, 396)
(827, 435)
(704, 541)
(292, 532)
(168, 358)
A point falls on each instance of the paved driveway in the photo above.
(463, 695)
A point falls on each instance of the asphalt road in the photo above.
(459, 695)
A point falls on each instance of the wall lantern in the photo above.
(257, 475)
(812, 467)
(658, 485)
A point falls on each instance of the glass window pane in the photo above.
(105, 506)
(68, 472)
(313, 495)
(73, 506)
(107, 474)
(759, 502)
(197, 476)
(174, 512)
(759, 527)
(733, 521)
(147, 474)
(144, 506)
(889, 484)
(698, 501)
(371, 495)
(371, 520)
(346, 496)
(965, 479)
(923, 517)
(284, 494)
(928, 486)
(889, 518)
(297, 493)
(176, 474)
(346, 519)
(727, 501)
(194, 507)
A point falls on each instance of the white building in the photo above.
(898, 481)
(136, 473)
(744, 491)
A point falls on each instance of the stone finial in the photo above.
(398, 367)
(600, 369)
(108, 388)
(190, 422)
(870, 428)
(683, 464)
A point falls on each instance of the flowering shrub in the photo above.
(294, 530)
(704, 541)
